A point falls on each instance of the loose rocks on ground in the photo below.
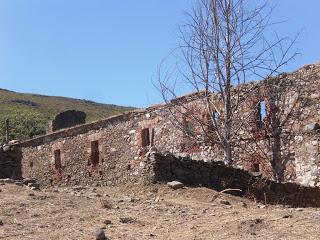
(175, 185)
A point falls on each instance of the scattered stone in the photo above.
(205, 210)
(225, 202)
(312, 127)
(262, 206)
(28, 180)
(34, 186)
(299, 209)
(127, 220)
(128, 199)
(1, 222)
(20, 184)
(107, 222)
(175, 185)
(243, 204)
(7, 180)
(104, 203)
(78, 188)
(99, 234)
(43, 226)
(13, 142)
(6, 148)
(93, 195)
(287, 216)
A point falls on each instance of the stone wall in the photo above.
(307, 158)
(66, 119)
(95, 153)
(10, 161)
(215, 175)
(115, 150)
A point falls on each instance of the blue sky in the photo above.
(109, 50)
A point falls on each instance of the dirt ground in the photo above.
(146, 212)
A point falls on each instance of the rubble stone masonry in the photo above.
(116, 149)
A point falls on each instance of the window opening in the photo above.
(256, 167)
(94, 153)
(57, 159)
(145, 137)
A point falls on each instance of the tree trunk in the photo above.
(227, 153)
(276, 162)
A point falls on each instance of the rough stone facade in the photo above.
(116, 149)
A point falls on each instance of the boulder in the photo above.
(34, 186)
(13, 142)
(6, 148)
(7, 180)
(26, 181)
(99, 234)
(312, 127)
(175, 185)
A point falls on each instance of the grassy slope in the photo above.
(29, 113)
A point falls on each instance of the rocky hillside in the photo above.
(29, 113)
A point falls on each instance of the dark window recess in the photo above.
(145, 137)
(57, 159)
(256, 167)
(189, 126)
(94, 158)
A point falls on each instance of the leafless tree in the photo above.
(224, 43)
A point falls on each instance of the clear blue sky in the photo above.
(109, 50)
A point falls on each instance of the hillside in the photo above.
(29, 113)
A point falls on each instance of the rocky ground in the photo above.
(146, 212)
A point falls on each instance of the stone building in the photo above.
(116, 149)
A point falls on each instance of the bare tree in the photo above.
(223, 44)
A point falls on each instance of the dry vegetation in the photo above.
(153, 212)
(30, 113)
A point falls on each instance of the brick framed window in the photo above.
(94, 153)
(146, 137)
(57, 163)
(57, 159)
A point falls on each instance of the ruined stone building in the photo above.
(116, 149)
